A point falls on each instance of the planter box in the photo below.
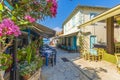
(36, 75)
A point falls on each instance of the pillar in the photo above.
(110, 35)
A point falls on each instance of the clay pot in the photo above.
(26, 77)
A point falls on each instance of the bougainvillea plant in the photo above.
(23, 13)
(14, 13)
(38, 9)
(8, 28)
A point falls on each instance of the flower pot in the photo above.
(26, 77)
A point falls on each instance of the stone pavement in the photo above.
(104, 69)
(77, 69)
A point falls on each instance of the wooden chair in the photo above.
(85, 54)
(100, 54)
(93, 54)
(117, 55)
(96, 54)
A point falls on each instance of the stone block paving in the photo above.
(77, 69)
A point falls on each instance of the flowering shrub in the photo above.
(53, 7)
(35, 9)
(40, 8)
(8, 27)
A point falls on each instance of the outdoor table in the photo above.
(48, 54)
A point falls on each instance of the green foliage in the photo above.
(1, 7)
(21, 54)
(5, 61)
(118, 22)
(81, 39)
(34, 47)
(39, 61)
(26, 68)
(29, 53)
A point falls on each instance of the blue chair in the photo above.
(73, 48)
(68, 48)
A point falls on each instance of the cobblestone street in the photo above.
(64, 70)
(78, 69)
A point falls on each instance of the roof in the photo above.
(109, 13)
(78, 8)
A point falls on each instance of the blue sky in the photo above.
(65, 7)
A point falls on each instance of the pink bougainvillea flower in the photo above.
(8, 27)
(53, 7)
(48, 0)
(53, 11)
(29, 18)
(32, 20)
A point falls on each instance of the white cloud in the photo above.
(57, 29)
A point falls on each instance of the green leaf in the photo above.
(13, 18)
(23, 22)
(3, 67)
(1, 6)
(118, 22)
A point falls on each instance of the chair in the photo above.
(92, 54)
(100, 53)
(85, 54)
(73, 48)
(97, 54)
(117, 55)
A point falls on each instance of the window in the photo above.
(92, 15)
(73, 21)
(64, 28)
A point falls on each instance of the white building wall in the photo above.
(80, 17)
(117, 34)
(71, 25)
(97, 29)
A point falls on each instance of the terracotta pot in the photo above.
(26, 77)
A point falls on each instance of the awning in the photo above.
(68, 35)
(43, 30)
(40, 30)
(111, 12)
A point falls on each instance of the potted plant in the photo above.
(25, 72)
(5, 63)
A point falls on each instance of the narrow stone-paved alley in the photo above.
(70, 66)
(65, 70)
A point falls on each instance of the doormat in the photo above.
(65, 59)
